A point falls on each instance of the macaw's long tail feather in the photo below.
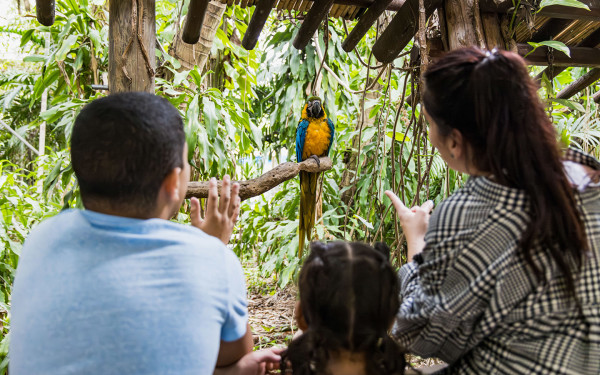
(308, 203)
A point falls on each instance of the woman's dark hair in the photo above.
(491, 100)
(123, 146)
(349, 295)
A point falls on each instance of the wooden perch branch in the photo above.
(266, 182)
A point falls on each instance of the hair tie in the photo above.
(491, 55)
(317, 261)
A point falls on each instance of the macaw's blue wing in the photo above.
(332, 130)
(300, 138)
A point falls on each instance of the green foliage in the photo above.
(240, 117)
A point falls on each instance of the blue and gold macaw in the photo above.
(314, 137)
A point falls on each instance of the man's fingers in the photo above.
(398, 205)
(236, 210)
(225, 194)
(235, 194)
(427, 206)
(213, 197)
(195, 212)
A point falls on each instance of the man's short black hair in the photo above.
(123, 146)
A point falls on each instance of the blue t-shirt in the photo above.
(101, 294)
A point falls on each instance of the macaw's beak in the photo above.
(315, 108)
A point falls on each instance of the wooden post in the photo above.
(45, 12)
(194, 21)
(460, 21)
(259, 17)
(132, 38)
(316, 14)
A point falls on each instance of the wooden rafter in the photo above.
(553, 11)
(401, 30)
(45, 12)
(580, 84)
(580, 56)
(364, 24)
(194, 21)
(257, 22)
(593, 40)
(314, 17)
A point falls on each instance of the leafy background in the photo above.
(240, 115)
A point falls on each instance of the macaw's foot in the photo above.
(317, 160)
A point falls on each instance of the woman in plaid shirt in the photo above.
(505, 275)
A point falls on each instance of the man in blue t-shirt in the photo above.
(117, 288)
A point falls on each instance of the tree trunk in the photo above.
(197, 54)
(132, 35)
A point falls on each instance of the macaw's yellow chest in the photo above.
(318, 138)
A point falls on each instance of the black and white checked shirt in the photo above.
(474, 303)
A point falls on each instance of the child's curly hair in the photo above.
(349, 294)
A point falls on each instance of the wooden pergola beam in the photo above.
(267, 181)
(593, 40)
(194, 21)
(553, 11)
(580, 84)
(257, 22)
(596, 97)
(580, 56)
(394, 5)
(318, 11)
(364, 24)
(45, 12)
(401, 30)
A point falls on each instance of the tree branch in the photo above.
(266, 182)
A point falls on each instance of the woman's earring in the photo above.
(452, 155)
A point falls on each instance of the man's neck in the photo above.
(107, 210)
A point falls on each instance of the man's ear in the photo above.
(170, 185)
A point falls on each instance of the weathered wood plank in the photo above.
(364, 24)
(580, 56)
(401, 30)
(394, 5)
(314, 17)
(194, 21)
(257, 22)
(593, 40)
(553, 11)
(45, 12)
(132, 35)
(580, 84)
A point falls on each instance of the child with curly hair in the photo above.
(348, 301)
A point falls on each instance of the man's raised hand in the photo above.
(221, 215)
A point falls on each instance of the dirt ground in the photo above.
(271, 312)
